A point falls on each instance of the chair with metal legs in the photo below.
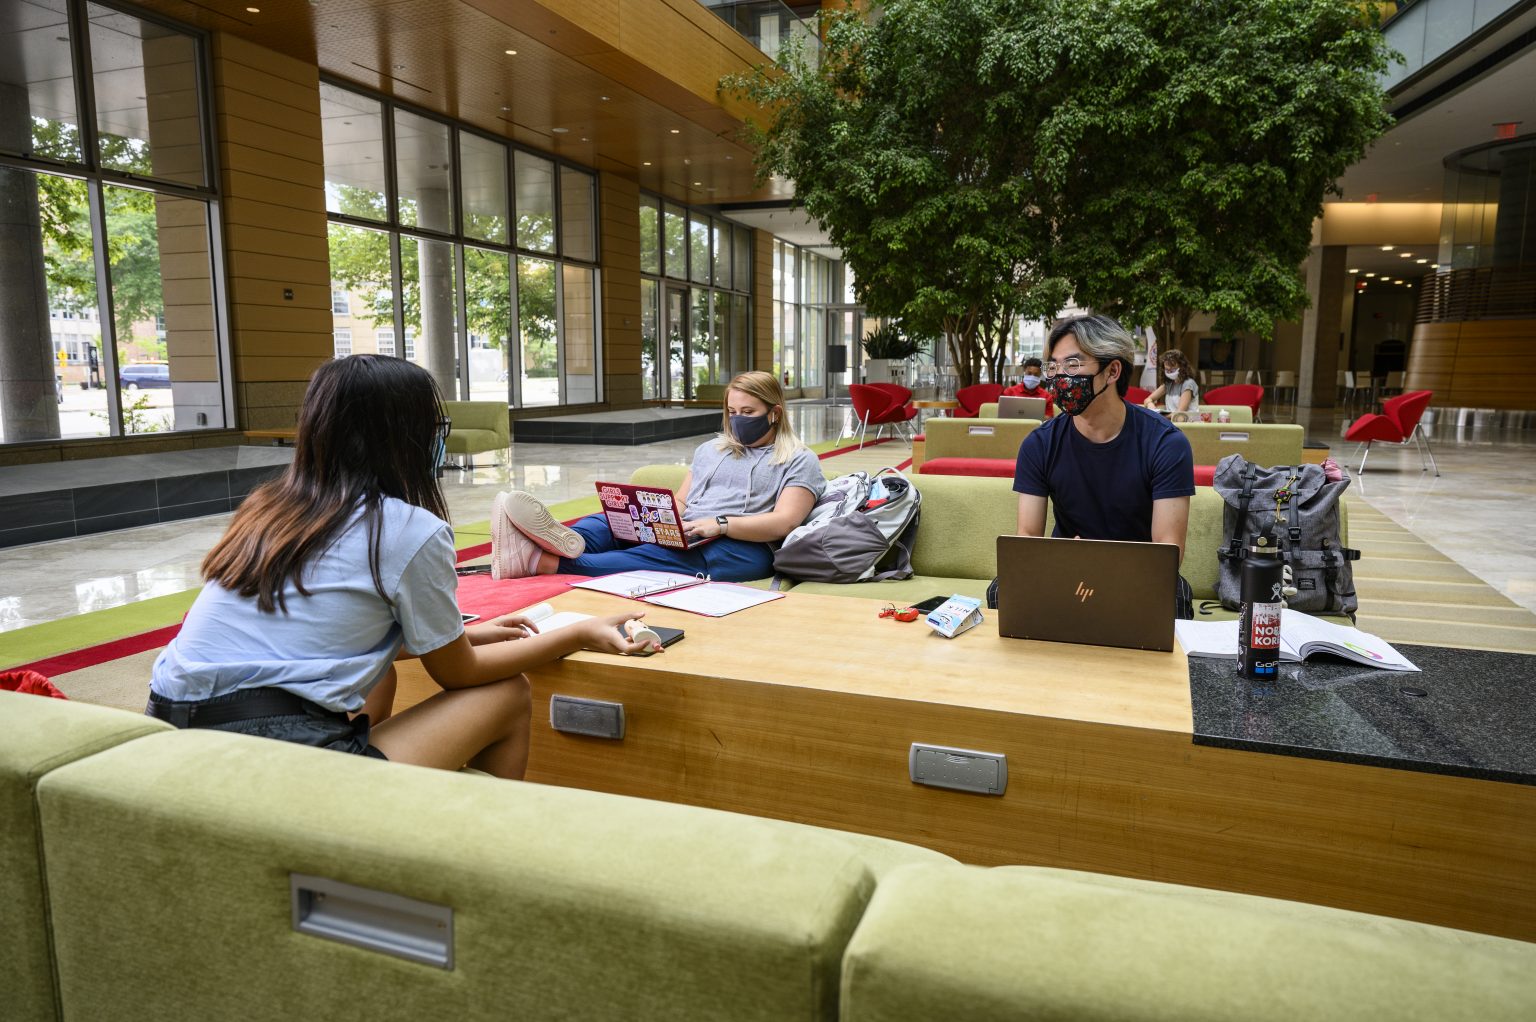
(1399, 423)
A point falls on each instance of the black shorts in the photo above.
(302, 721)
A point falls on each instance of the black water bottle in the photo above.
(1258, 630)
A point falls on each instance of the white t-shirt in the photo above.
(1176, 391)
(332, 646)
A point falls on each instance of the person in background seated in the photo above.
(749, 486)
(338, 567)
(1179, 392)
(1111, 470)
(1029, 385)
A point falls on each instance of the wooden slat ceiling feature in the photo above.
(655, 61)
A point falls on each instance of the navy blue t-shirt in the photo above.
(1105, 491)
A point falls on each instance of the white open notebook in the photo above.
(693, 593)
(1301, 635)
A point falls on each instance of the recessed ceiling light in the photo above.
(505, 109)
(647, 163)
(1370, 274)
(675, 131)
(560, 131)
(1405, 255)
(1354, 271)
(697, 183)
(510, 53)
(1434, 266)
(603, 98)
(585, 139)
(253, 10)
(1421, 261)
(1410, 285)
(1398, 281)
(1388, 248)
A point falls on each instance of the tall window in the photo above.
(695, 290)
(107, 180)
(480, 256)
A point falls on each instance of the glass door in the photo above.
(676, 332)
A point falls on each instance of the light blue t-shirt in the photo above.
(724, 483)
(332, 646)
(1175, 392)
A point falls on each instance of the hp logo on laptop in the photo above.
(1082, 593)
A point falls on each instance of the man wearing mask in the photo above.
(1111, 470)
(1029, 384)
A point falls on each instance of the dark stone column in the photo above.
(1321, 328)
(28, 408)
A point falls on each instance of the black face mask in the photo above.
(1074, 393)
(749, 429)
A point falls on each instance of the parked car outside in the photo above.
(145, 375)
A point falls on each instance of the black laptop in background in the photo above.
(1095, 592)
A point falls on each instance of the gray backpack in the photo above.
(1299, 507)
(861, 530)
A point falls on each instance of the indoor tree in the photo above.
(909, 142)
(1187, 147)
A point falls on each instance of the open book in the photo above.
(1301, 636)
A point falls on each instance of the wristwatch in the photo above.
(720, 520)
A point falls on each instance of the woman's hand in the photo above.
(701, 528)
(605, 635)
(501, 629)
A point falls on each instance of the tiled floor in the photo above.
(1481, 511)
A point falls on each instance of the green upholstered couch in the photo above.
(150, 874)
(962, 516)
(478, 426)
(979, 446)
(1235, 413)
(1263, 443)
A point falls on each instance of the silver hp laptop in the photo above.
(1095, 592)
(1020, 407)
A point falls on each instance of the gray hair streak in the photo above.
(1103, 338)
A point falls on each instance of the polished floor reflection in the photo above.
(1480, 511)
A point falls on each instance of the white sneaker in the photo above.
(532, 519)
(513, 555)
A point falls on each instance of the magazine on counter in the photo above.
(1301, 636)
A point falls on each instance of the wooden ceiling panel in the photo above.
(657, 61)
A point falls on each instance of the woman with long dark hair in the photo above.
(1181, 392)
(335, 569)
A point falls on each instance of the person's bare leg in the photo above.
(380, 704)
(548, 564)
(485, 726)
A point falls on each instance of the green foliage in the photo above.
(1187, 147)
(977, 160)
(888, 341)
(360, 263)
(909, 144)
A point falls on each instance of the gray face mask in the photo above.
(749, 429)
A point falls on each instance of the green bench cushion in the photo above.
(1018, 942)
(38, 735)
(170, 859)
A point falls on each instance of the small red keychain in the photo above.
(909, 614)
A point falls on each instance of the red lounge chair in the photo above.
(972, 398)
(1248, 394)
(876, 407)
(1398, 424)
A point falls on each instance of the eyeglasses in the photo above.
(1071, 365)
(444, 426)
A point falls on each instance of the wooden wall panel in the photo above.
(619, 231)
(1488, 363)
(267, 109)
(762, 301)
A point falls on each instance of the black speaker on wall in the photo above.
(837, 358)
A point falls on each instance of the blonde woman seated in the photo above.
(749, 486)
(1179, 392)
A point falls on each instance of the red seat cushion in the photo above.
(1374, 427)
(997, 467)
(920, 436)
(1205, 475)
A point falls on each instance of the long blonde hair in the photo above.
(763, 387)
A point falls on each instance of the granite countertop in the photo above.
(1469, 713)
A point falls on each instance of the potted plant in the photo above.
(883, 345)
